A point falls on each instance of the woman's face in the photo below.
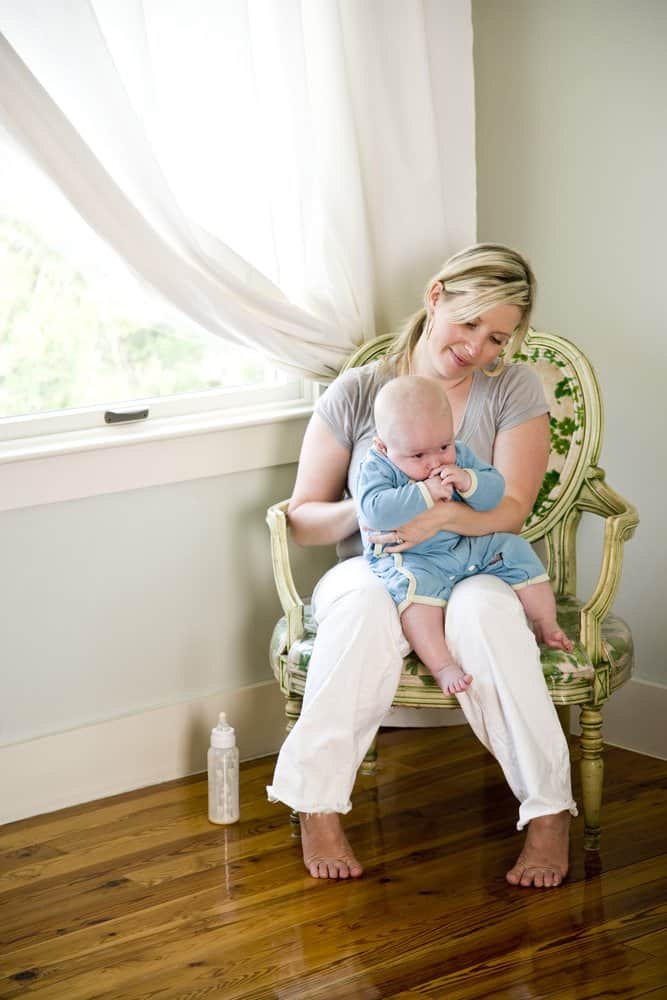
(456, 349)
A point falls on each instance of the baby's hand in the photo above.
(457, 477)
(438, 489)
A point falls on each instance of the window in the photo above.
(80, 334)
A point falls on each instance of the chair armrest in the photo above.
(597, 497)
(292, 605)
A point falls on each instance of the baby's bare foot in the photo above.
(452, 680)
(543, 862)
(554, 637)
(326, 850)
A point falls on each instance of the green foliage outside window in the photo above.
(68, 341)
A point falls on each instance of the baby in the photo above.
(414, 463)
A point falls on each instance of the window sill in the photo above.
(111, 459)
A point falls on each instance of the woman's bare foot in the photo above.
(326, 851)
(544, 860)
(553, 636)
(451, 679)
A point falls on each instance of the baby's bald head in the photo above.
(409, 401)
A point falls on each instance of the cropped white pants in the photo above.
(354, 672)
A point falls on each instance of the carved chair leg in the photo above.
(292, 713)
(592, 769)
(369, 763)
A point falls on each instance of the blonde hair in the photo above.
(484, 275)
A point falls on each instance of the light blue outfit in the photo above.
(426, 573)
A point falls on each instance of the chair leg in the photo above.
(369, 763)
(592, 770)
(292, 713)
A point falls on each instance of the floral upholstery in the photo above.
(562, 671)
(566, 419)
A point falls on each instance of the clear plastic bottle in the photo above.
(223, 774)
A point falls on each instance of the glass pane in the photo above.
(76, 328)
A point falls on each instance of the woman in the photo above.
(475, 315)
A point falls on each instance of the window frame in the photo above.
(78, 465)
(43, 424)
(62, 432)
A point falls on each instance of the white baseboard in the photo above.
(52, 772)
(634, 718)
(420, 718)
(135, 751)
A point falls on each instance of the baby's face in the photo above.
(422, 446)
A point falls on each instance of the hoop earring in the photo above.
(497, 368)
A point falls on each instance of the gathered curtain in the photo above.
(287, 173)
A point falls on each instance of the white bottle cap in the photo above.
(223, 736)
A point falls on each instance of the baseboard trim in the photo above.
(419, 718)
(634, 718)
(66, 769)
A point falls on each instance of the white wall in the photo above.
(129, 620)
(125, 602)
(572, 169)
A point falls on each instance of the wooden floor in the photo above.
(139, 896)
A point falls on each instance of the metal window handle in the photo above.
(116, 417)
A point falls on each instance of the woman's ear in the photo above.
(433, 295)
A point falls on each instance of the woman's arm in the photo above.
(316, 513)
(521, 455)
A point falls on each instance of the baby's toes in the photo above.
(558, 640)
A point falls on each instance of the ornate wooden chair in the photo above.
(602, 659)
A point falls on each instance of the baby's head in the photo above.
(414, 425)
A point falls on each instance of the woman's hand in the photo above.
(419, 529)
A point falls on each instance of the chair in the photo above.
(602, 659)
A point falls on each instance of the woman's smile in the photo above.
(458, 360)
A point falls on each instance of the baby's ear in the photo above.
(379, 445)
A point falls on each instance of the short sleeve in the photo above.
(521, 397)
(346, 406)
(338, 407)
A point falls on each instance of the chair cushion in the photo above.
(561, 670)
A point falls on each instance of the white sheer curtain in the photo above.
(286, 173)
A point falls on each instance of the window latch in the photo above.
(118, 417)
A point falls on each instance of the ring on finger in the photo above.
(397, 539)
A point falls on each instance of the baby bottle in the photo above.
(223, 774)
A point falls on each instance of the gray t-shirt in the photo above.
(494, 404)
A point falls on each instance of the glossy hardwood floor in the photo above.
(139, 896)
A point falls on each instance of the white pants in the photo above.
(355, 669)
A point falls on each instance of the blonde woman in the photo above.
(476, 312)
